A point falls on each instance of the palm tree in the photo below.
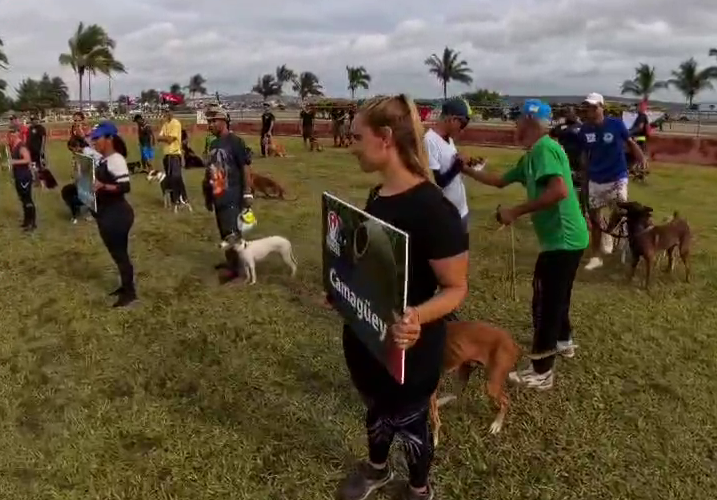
(196, 85)
(713, 52)
(690, 80)
(448, 68)
(284, 75)
(307, 84)
(3, 65)
(89, 46)
(644, 84)
(107, 67)
(358, 78)
(267, 86)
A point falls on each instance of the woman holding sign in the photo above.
(114, 214)
(389, 141)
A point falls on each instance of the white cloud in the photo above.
(514, 46)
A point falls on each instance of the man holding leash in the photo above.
(227, 187)
(604, 140)
(562, 232)
(171, 137)
(267, 128)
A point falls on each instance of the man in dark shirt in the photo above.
(640, 130)
(267, 127)
(568, 136)
(307, 116)
(227, 186)
(36, 140)
(146, 143)
(338, 116)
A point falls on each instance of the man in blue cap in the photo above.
(443, 157)
(562, 233)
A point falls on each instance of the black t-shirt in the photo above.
(266, 120)
(35, 137)
(145, 134)
(228, 156)
(568, 136)
(639, 127)
(435, 232)
(338, 115)
(307, 119)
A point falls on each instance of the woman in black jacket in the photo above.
(388, 140)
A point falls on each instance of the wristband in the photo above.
(248, 196)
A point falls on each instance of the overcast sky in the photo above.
(526, 47)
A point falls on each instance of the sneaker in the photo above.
(408, 493)
(531, 380)
(125, 299)
(593, 263)
(363, 481)
(73, 221)
(567, 348)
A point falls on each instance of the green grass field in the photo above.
(207, 392)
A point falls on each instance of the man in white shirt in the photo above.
(443, 158)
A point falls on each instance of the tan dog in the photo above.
(473, 343)
(273, 148)
(268, 187)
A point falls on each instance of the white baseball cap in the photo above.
(595, 99)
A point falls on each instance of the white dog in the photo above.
(251, 252)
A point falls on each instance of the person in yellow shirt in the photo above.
(171, 137)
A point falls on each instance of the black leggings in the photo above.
(69, 196)
(173, 169)
(23, 187)
(114, 223)
(411, 426)
(552, 289)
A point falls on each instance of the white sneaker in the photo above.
(593, 263)
(531, 380)
(567, 349)
(73, 221)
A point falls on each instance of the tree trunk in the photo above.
(445, 90)
(79, 74)
(89, 88)
(353, 94)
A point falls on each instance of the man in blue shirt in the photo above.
(604, 140)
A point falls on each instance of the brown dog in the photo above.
(268, 187)
(273, 148)
(473, 343)
(648, 240)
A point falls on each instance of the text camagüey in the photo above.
(361, 306)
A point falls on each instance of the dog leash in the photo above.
(513, 286)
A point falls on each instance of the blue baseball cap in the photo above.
(456, 107)
(104, 129)
(537, 109)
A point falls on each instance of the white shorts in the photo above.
(605, 195)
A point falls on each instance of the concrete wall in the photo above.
(663, 148)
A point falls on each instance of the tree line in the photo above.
(91, 54)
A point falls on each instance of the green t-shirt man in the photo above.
(561, 226)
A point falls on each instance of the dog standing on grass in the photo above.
(647, 240)
(251, 252)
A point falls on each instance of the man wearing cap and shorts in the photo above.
(604, 140)
(443, 158)
(562, 233)
(146, 143)
(227, 186)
